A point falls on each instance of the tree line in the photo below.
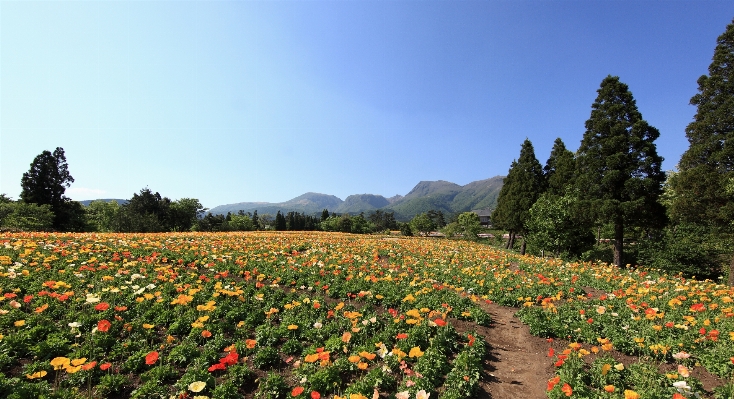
(44, 207)
(613, 188)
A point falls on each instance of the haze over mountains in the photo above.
(425, 196)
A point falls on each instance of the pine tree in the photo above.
(560, 169)
(521, 188)
(619, 174)
(45, 184)
(703, 190)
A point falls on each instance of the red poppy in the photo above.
(103, 325)
(440, 322)
(151, 358)
(401, 336)
(551, 352)
(315, 395)
(206, 334)
(120, 308)
(89, 366)
(27, 298)
(218, 366)
(230, 359)
(552, 382)
(296, 391)
(567, 389)
(102, 306)
(698, 307)
(105, 366)
(471, 339)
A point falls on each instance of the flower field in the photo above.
(311, 315)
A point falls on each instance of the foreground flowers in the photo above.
(338, 312)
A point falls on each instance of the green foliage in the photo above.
(146, 212)
(27, 217)
(406, 230)
(423, 224)
(707, 166)
(684, 248)
(522, 187)
(272, 386)
(102, 216)
(266, 358)
(45, 183)
(560, 169)
(553, 227)
(619, 174)
(467, 226)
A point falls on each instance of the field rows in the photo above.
(329, 315)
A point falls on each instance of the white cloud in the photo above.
(84, 193)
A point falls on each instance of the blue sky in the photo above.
(265, 100)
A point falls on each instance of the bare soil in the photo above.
(518, 365)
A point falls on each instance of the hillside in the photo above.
(309, 203)
(362, 203)
(439, 195)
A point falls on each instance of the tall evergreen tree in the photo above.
(521, 188)
(280, 223)
(560, 169)
(619, 174)
(703, 190)
(45, 184)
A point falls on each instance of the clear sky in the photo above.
(232, 101)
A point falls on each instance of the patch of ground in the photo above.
(518, 365)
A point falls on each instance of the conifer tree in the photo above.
(521, 188)
(703, 190)
(560, 169)
(619, 174)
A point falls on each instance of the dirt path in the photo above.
(518, 365)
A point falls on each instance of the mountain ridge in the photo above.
(437, 195)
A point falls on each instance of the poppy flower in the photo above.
(297, 391)
(59, 362)
(206, 334)
(102, 306)
(151, 358)
(89, 365)
(215, 367)
(440, 322)
(197, 386)
(552, 382)
(103, 325)
(37, 374)
(551, 352)
(105, 366)
(401, 336)
(566, 389)
(315, 395)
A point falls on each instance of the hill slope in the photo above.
(438, 195)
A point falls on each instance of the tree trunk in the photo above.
(512, 240)
(618, 242)
(598, 236)
(522, 248)
(510, 236)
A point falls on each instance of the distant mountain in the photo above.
(440, 195)
(480, 194)
(119, 201)
(309, 203)
(448, 197)
(362, 203)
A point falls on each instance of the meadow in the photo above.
(312, 315)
